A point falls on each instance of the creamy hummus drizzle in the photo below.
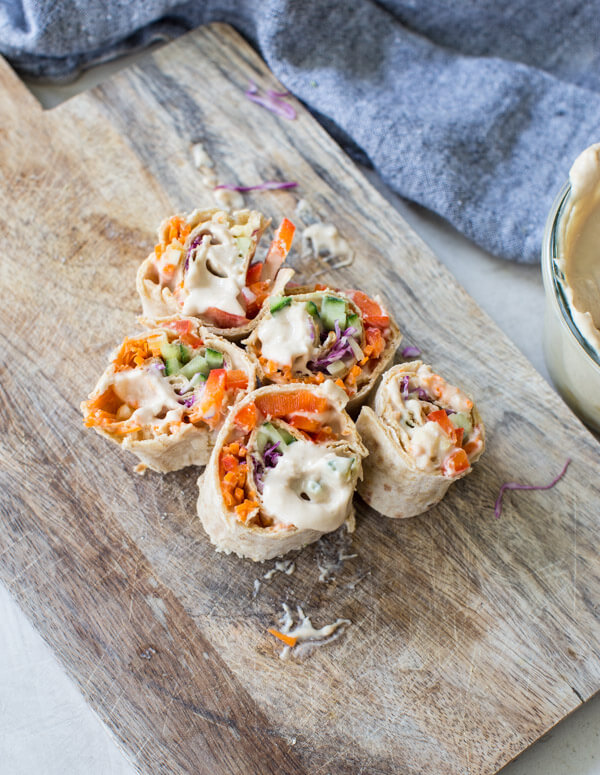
(288, 336)
(308, 487)
(324, 240)
(425, 441)
(579, 245)
(216, 275)
(151, 394)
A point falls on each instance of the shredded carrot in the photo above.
(229, 462)
(245, 509)
(353, 375)
(279, 405)
(340, 383)
(289, 640)
(304, 423)
(133, 353)
(376, 340)
(176, 229)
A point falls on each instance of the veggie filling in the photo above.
(434, 421)
(284, 464)
(208, 268)
(160, 382)
(325, 337)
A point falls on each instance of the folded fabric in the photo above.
(474, 111)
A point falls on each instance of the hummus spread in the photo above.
(579, 246)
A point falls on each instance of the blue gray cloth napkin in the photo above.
(474, 110)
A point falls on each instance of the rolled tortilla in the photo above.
(166, 393)
(422, 434)
(311, 335)
(202, 267)
(282, 473)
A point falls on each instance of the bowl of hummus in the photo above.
(571, 274)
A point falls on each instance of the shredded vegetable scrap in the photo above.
(411, 352)
(289, 640)
(517, 486)
(267, 185)
(273, 101)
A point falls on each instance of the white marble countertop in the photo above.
(45, 724)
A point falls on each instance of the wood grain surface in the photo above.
(470, 636)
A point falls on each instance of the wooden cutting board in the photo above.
(470, 636)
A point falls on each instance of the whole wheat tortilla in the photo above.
(257, 543)
(392, 484)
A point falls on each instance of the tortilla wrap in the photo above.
(393, 483)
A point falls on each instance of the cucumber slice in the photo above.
(461, 420)
(336, 368)
(169, 350)
(286, 437)
(279, 302)
(342, 465)
(214, 359)
(354, 320)
(184, 353)
(333, 309)
(269, 434)
(197, 379)
(311, 308)
(172, 366)
(198, 365)
(243, 245)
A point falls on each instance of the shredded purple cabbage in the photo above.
(193, 245)
(268, 185)
(340, 348)
(189, 401)
(273, 101)
(404, 386)
(271, 454)
(411, 352)
(155, 366)
(422, 394)
(259, 472)
(517, 486)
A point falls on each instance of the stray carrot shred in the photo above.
(289, 640)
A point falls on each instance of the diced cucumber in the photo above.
(313, 487)
(336, 368)
(311, 308)
(279, 302)
(462, 420)
(214, 359)
(184, 353)
(172, 366)
(269, 434)
(342, 465)
(169, 350)
(243, 245)
(197, 379)
(286, 436)
(198, 364)
(333, 309)
(354, 320)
